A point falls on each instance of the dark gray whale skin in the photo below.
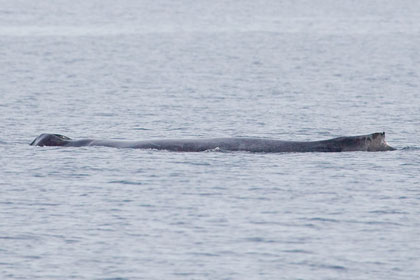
(371, 142)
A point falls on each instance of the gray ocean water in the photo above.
(133, 70)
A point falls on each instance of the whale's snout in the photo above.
(378, 143)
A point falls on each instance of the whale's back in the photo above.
(370, 142)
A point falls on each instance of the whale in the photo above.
(371, 143)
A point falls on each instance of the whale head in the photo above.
(376, 142)
(46, 139)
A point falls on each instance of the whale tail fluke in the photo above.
(46, 139)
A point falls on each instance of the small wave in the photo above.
(298, 251)
(333, 267)
(259, 240)
(19, 237)
(411, 148)
(141, 128)
(320, 219)
(125, 182)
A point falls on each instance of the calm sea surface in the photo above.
(133, 70)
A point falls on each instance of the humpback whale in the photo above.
(371, 142)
